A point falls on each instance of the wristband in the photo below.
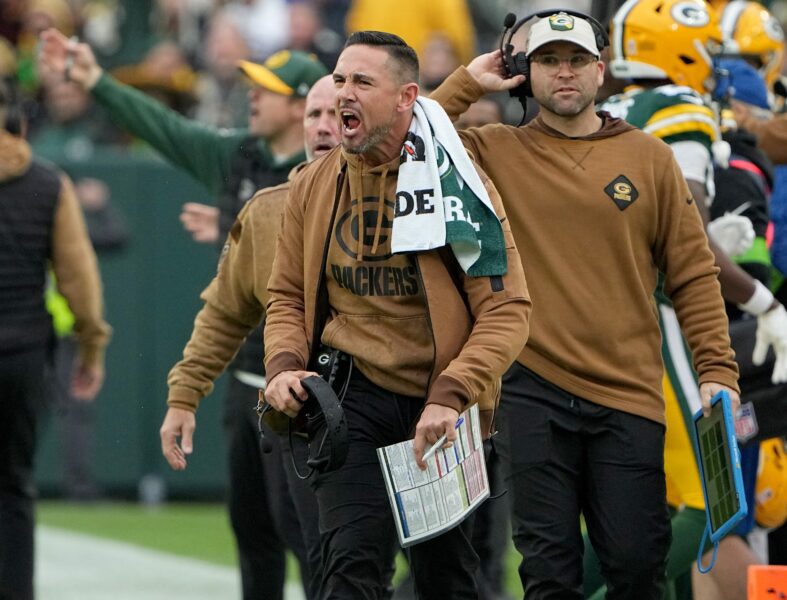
(761, 300)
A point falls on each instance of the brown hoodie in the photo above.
(73, 259)
(596, 218)
(234, 301)
(414, 325)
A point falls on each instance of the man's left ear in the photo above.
(407, 96)
(601, 68)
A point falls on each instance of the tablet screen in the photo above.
(717, 467)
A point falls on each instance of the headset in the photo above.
(320, 422)
(14, 117)
(519, 64)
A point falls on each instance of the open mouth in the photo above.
(350, 121)
(323, 147)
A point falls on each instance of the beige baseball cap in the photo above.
(562, 27)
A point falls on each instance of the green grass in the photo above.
(193, 530)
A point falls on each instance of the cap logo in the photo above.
(278, 60)
(561, 22)
(690, 14)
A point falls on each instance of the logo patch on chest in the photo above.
(622, 192)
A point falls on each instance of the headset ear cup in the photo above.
(509, 64)
(523, 68)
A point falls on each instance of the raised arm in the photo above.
(202, 151)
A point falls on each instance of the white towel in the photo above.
(440, 197)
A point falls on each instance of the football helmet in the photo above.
(753, 33)
(770, 492)
(666, 39)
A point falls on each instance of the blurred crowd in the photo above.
(185, 52)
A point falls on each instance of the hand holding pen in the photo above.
(437, 427)
(441, 442)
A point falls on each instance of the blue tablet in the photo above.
(720, 468)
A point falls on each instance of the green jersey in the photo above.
(672, 113)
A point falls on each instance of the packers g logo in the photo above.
(690, 14)
(349, 227)
(561, 22)
(622, 191)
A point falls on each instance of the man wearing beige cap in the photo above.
(233, 165)
(598, 209)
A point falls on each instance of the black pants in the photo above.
(75, 422)
(261, 504)
(21, 400)
(565, 456)
(491, 530)
(356, 525)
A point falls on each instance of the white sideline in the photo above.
(72, 566)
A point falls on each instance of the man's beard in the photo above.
(555, 108)
(376, 135)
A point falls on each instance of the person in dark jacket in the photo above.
(40, 223)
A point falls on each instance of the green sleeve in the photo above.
(204, 152)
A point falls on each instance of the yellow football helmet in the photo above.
(752, 32)
(665, 39)
(770, 492)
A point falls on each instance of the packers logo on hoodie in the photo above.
(373, 230)
(368, 267)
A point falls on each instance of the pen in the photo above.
(440, 441)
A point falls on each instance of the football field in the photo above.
(126, 551)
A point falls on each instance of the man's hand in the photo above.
(772, 331)
(435, 421)
(178, 423)
(285, 392)
(68, 59)
(489, 72)
(86, 382)
(201, 221)
(710, 389)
